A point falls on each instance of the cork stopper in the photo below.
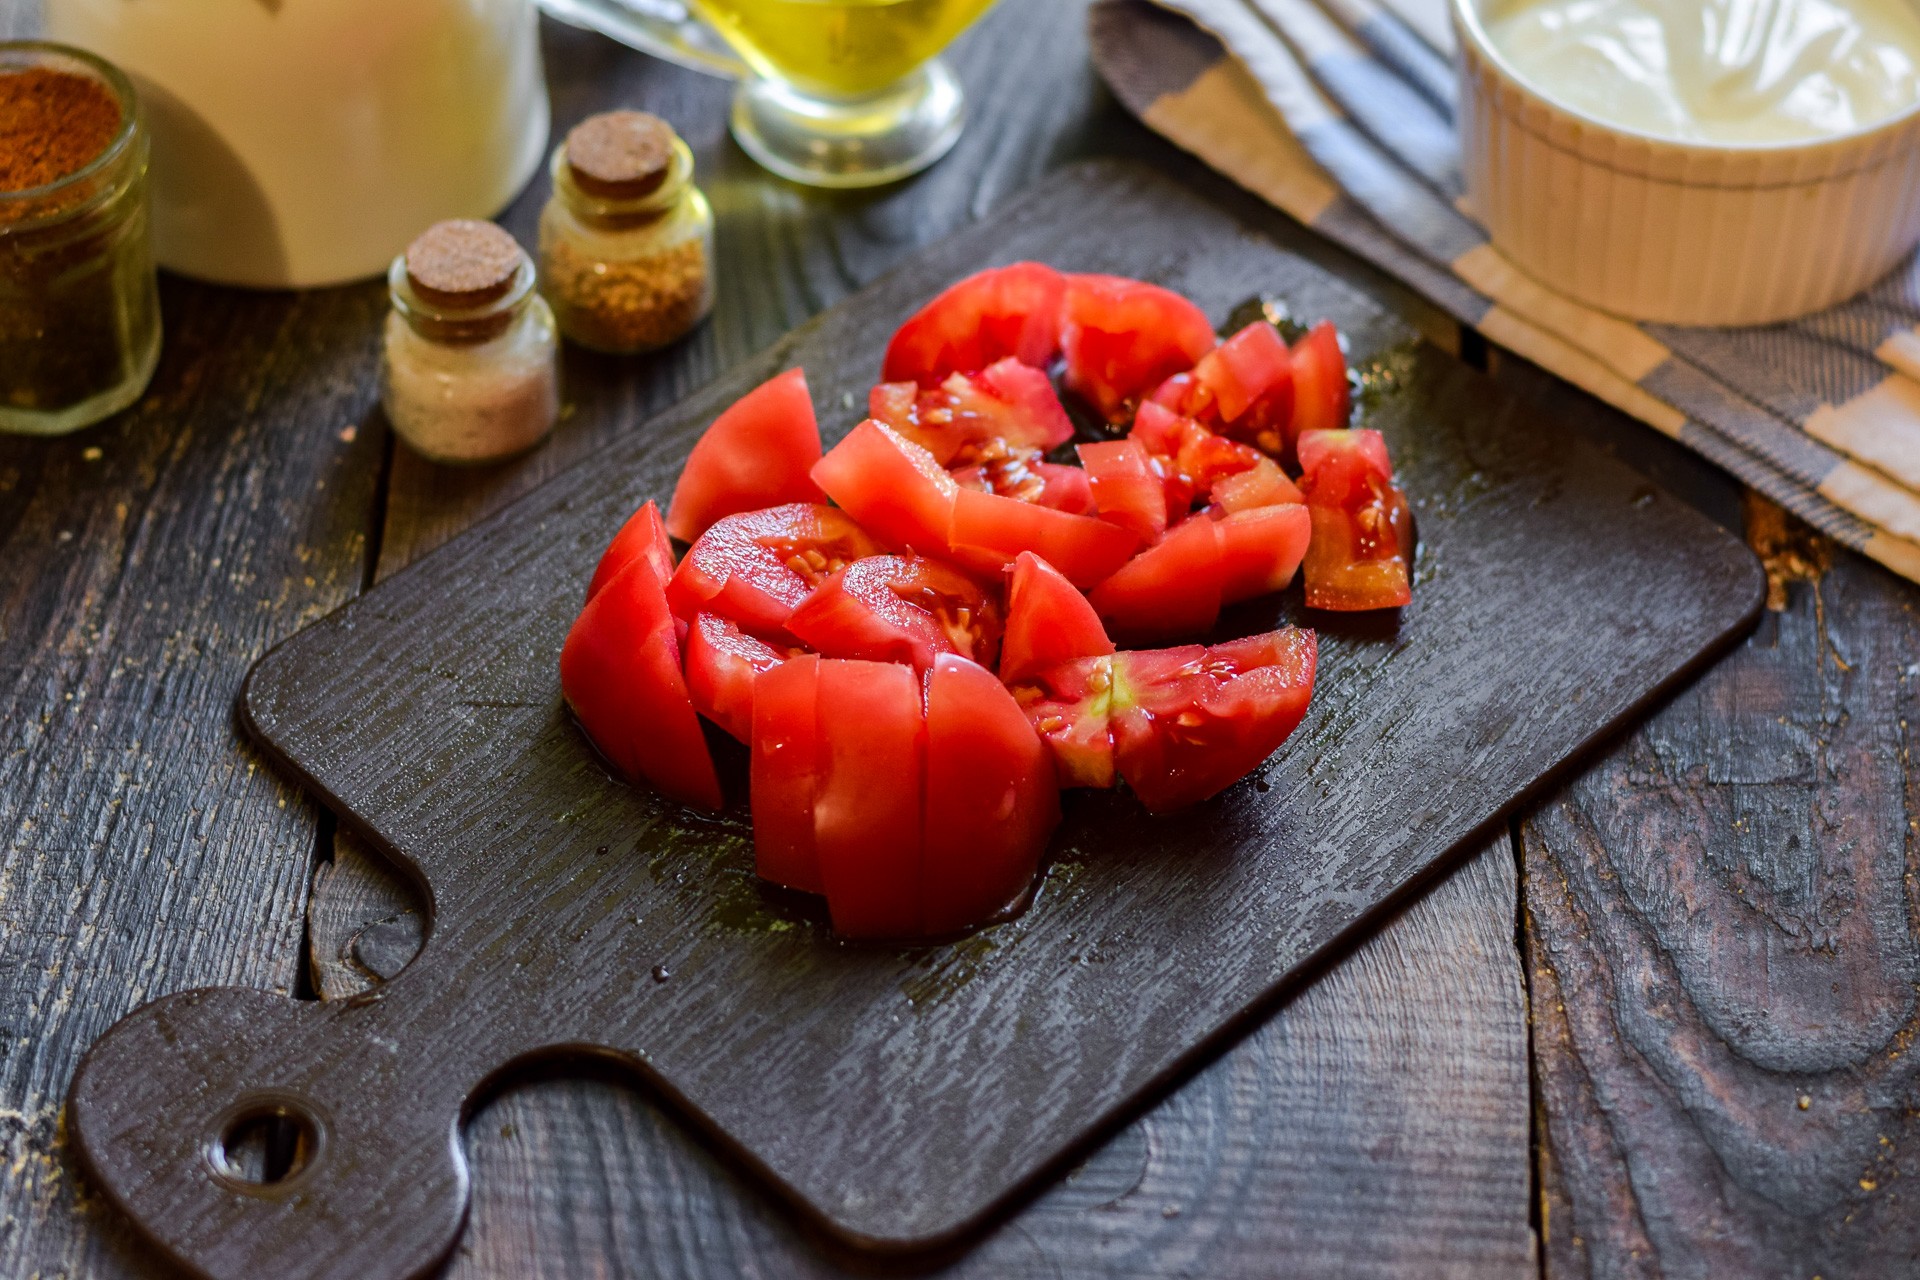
(462, 263)
(620, 155)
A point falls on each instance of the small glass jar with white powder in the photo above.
(469, 374)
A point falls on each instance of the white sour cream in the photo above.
(1717, 71)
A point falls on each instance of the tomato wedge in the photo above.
(1011, 311)
(872, 732)
(988, 532)
(1048, 621)
(756, 454)
(755, 567)
(722, 662)
(1064, 488)
(1362, 545)
(1070, 706)
(1251, 366)
(620, 672)
(970, 418)
(893, 487)
(783, 773)
(899, 609)
(1128, 490)
(642, 536)
(1262, 485)
(1170, 589)
(1322, 400)
(991, 799)
(1260, 550)
(1122, 338)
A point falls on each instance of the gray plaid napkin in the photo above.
(1340, 113)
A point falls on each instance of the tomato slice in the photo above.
(783, 773)
(1122, 338)
(991, 799)
(1262, 485)
(1188, 723)
(1011, 311)
(1322, 400)
(975, 417)
(722, 661)
(1069, 706)
(1260, 550)
(899, 609)
(756, 454)
(872, 732)
(1048, 621)
(756, 566)
(620, 672)
(1127, 489)
(1170, 589)
(643, 536)
(893, 487)
(1362, 545)
(989, 532)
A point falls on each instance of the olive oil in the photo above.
(843, 48)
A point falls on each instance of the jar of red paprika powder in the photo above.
(79, 309)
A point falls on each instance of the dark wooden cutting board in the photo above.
(899, 1095)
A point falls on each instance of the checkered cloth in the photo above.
(1340, 113)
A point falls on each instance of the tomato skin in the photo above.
(1171, 589)
(783, 773)
(1127, 489)
(1048, 621)
(1069, 706)
(868, 796)
(1004, 312)
(988, 532)
(893, 487)
(756, 454)
(620, 672)
(1188, 723)
(642, 536)
(1122, 338)
(1322, 400)
(756, 566)
(1260, 550)
(991, 799)
(722, 662)
(899, 609)
(1362, 547)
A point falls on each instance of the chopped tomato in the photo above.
(988, 532)
(871, 749)
(1069, 707)
(1122, 338)
(1322, 401)
(1252, 366)
(975, 417)
(1194, 460)
(1014, 473)
(1128, 489)
(756, 566)
(620, 672)
(1260, 550)
(756, 454)
(784, 772)
(1188, 723)
(1362, 544)
(1011, 311)
(899, 609)
(643, 536)
(991, 799)
(1262, 485)
(1065, 488)
(722, 661)
(1170, 589)
(1048, 621)
(893, 487)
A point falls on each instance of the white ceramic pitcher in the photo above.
(305, 142)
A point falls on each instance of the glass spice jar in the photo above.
(468, 373)
(626, 241)
(79, 304)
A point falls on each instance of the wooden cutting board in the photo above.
(898, 1095)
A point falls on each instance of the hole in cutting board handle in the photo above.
(265, 1145)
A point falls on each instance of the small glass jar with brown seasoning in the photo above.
(469, 373)
(626, 241)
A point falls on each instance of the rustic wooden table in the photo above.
(1661, 1027)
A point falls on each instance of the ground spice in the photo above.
(628, 306)
(52, 124)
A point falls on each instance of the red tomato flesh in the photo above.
(1122, 338)
(1322, 400)
(988, 532)
(1262, 485)
(722, 661)
(867, 811)
(1127, 489)
(620, 672)
(1069, 706)
(1048, 621)
(1260, 550)
(783, 773)
(755, 567)
(893, 487)
(1362, 544)
(1011, 311)
(899, 609)
(1252, 366)
(1064, 488)
(1170, 589)
(643, 536)
(756, 454)
(991, 799)
(975, 417)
